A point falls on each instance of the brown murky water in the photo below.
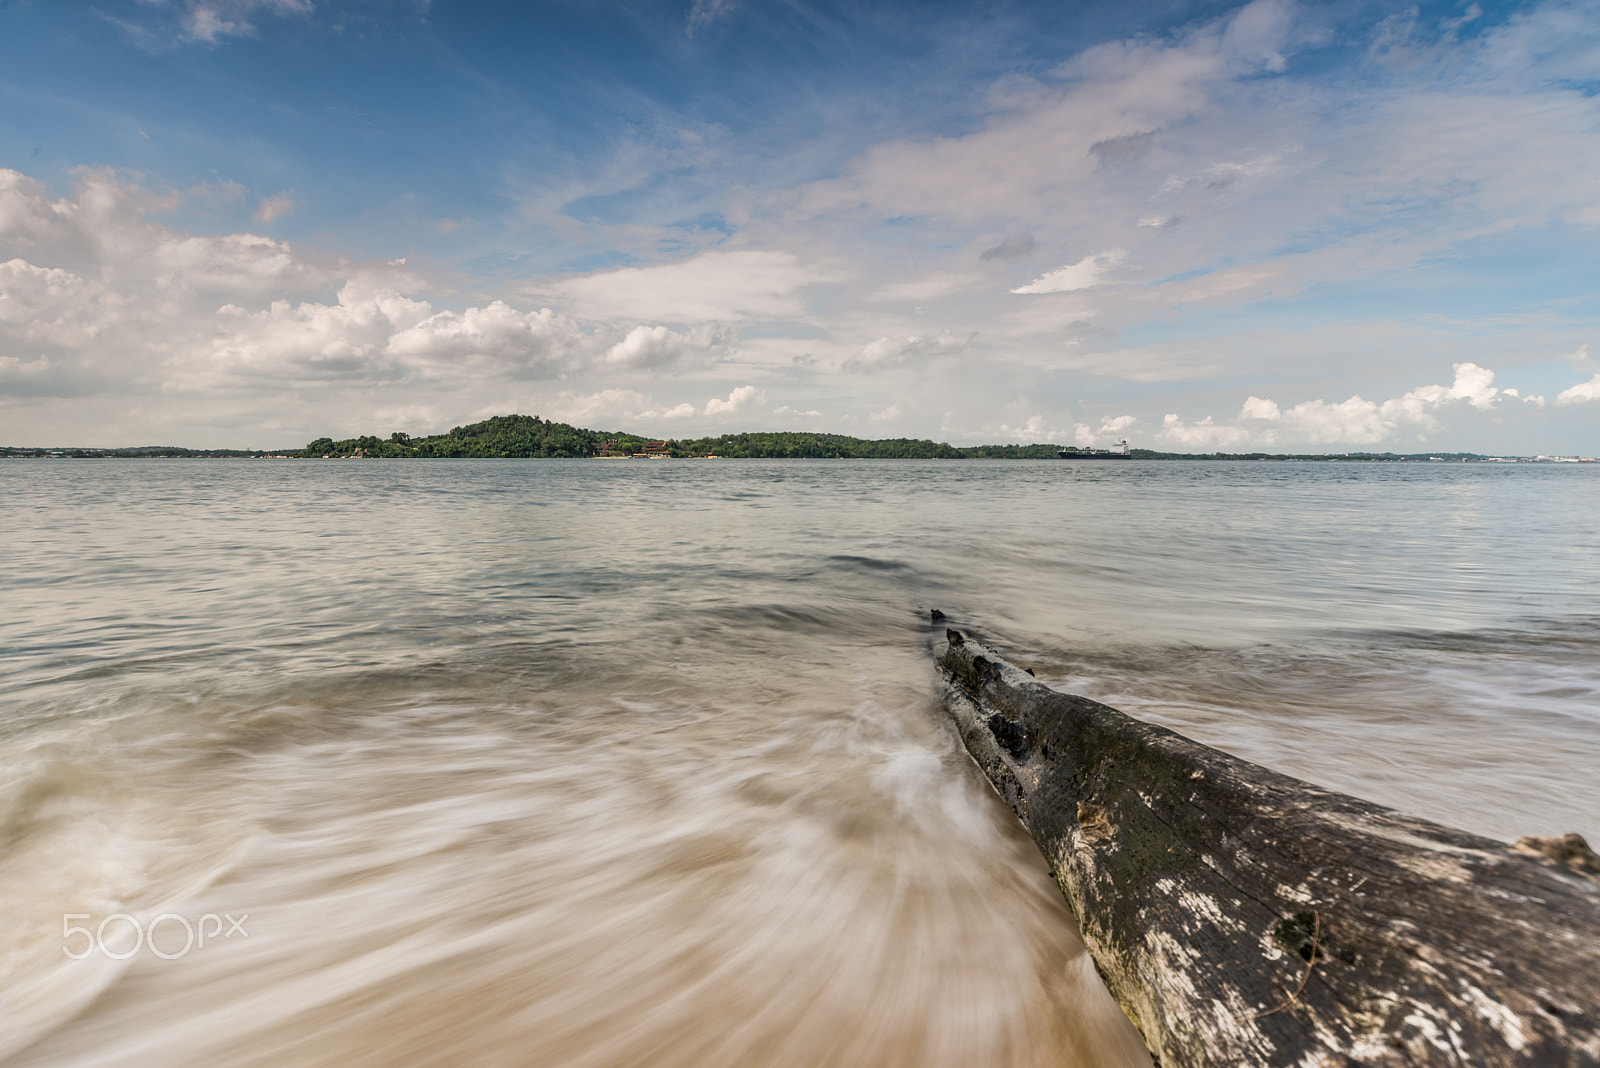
(564, 763)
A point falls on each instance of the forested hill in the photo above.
(510, 436)
(515, 436)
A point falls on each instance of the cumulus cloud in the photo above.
(105, 230)
(375, 331)
(1260, 408)
(1111, 428)
(95, 296)
(885, 353)
(38, 297)
(108, 295)
(492, 338)
(347, 341)
(627, 406)
(1582, 393)
(1034, 429)
(740, 400)
(1355, 421)
(1206, 435)
(658, 346)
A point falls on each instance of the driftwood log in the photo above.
(1243, 917)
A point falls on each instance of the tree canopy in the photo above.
(508, 436)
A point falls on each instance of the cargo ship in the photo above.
(1119, 451)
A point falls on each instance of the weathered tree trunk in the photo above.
(1242, 917)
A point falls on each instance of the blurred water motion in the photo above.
(563, 763)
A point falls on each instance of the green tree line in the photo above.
(515, 436)
(509, 436)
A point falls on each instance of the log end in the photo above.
(1569, 851)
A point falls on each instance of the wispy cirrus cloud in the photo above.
(208, 21)
(717, 285)
(275, 207)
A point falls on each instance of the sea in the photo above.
(592, 763)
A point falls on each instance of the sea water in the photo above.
(604, 764)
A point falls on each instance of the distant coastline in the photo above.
(530, 437)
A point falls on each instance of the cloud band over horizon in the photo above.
(1158, 227)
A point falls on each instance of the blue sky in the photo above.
(1194, 225)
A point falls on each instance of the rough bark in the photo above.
(1243, 917)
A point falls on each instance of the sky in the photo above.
(1331, 227)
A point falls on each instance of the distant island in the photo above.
(528, 436)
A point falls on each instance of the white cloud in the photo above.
(1582, 393)
(741, 399)
(704, 12)
(889, 352)
(40, 296)
(208, 20)
(1035, 159)
(1035, 429)
(620, 408)
(606, 408)
(1260, 408)
(714, 286)
(95, 297)
(275, 207)
(346, 341)
(1111, 428)
(493, 338)
(1206, 435)
(1087, 273)
(104, 226)
(1355, 421)
(928, 288)
(657, 346)
(1217, 176)
(1282, 184)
